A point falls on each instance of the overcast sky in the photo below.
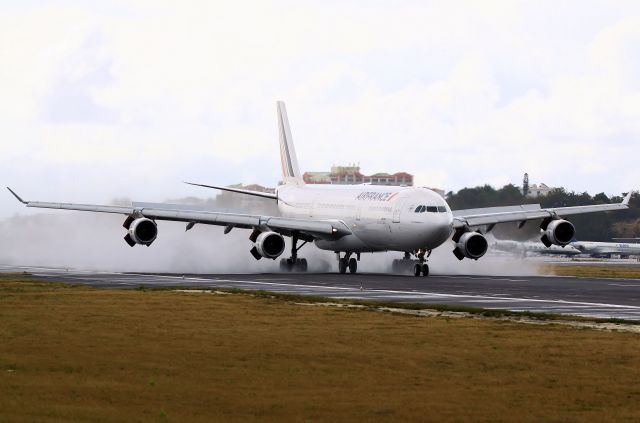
(127, 99)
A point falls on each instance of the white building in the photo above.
(539, 190)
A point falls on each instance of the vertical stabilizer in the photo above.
(290, 171)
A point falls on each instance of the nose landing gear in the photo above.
(407, 265)
(419, 269)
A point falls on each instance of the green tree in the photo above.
(591, 227)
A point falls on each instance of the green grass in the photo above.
(604, 271)
(85, 354)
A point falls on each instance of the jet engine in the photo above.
(471, 245)
(141, 231)
(268, 245)
(557, 232)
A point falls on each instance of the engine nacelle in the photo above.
(269, 245)
(471, 245)
(558, 232)
(142, 231)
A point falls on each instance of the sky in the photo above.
(127, 99)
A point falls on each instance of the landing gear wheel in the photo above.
(301, 265)
(417, 269)
(284, 265)
(425, 270)
(353, 265)
(293, 263)
(342, 265)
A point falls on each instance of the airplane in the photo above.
(348, 220)
(633, 240)
(524, 248)
(607, 249)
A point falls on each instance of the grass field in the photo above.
(603, 271)
(83, 354)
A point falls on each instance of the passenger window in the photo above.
(432, 209)
(442, 209)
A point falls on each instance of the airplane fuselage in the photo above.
(607, 248)
(381, 218)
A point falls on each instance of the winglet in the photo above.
(17, 196)
(627, 198)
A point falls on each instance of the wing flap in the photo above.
(205, 217)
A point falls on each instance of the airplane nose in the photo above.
(436, 230)
(442, 230)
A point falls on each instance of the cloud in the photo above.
(131, 98)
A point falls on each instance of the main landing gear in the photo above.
(407, 265)
(293, 263)
(347, 262)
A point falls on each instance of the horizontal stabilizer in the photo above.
(237, 190)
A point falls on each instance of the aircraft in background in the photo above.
(348, 220)
(524, 248)
(632, 240)
(607, 249)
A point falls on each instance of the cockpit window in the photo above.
(430, 209)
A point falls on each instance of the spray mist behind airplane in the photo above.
(348, 220)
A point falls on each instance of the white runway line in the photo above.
(488, 301)
(483, 278)
(420, 293)
(471, 298)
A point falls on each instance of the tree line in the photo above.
(589, 227)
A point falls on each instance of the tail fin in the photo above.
(290, 171)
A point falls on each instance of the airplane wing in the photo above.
(470, 218)
(322, 229)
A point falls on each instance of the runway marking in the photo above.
(586, 277)
(420, 293)
(488, 301)
(489, 278)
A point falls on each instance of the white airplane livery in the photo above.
(348, 220)
(524, 248)
(607, 249)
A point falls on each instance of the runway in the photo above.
(608, 298)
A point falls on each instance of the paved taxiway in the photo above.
(619, 298)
